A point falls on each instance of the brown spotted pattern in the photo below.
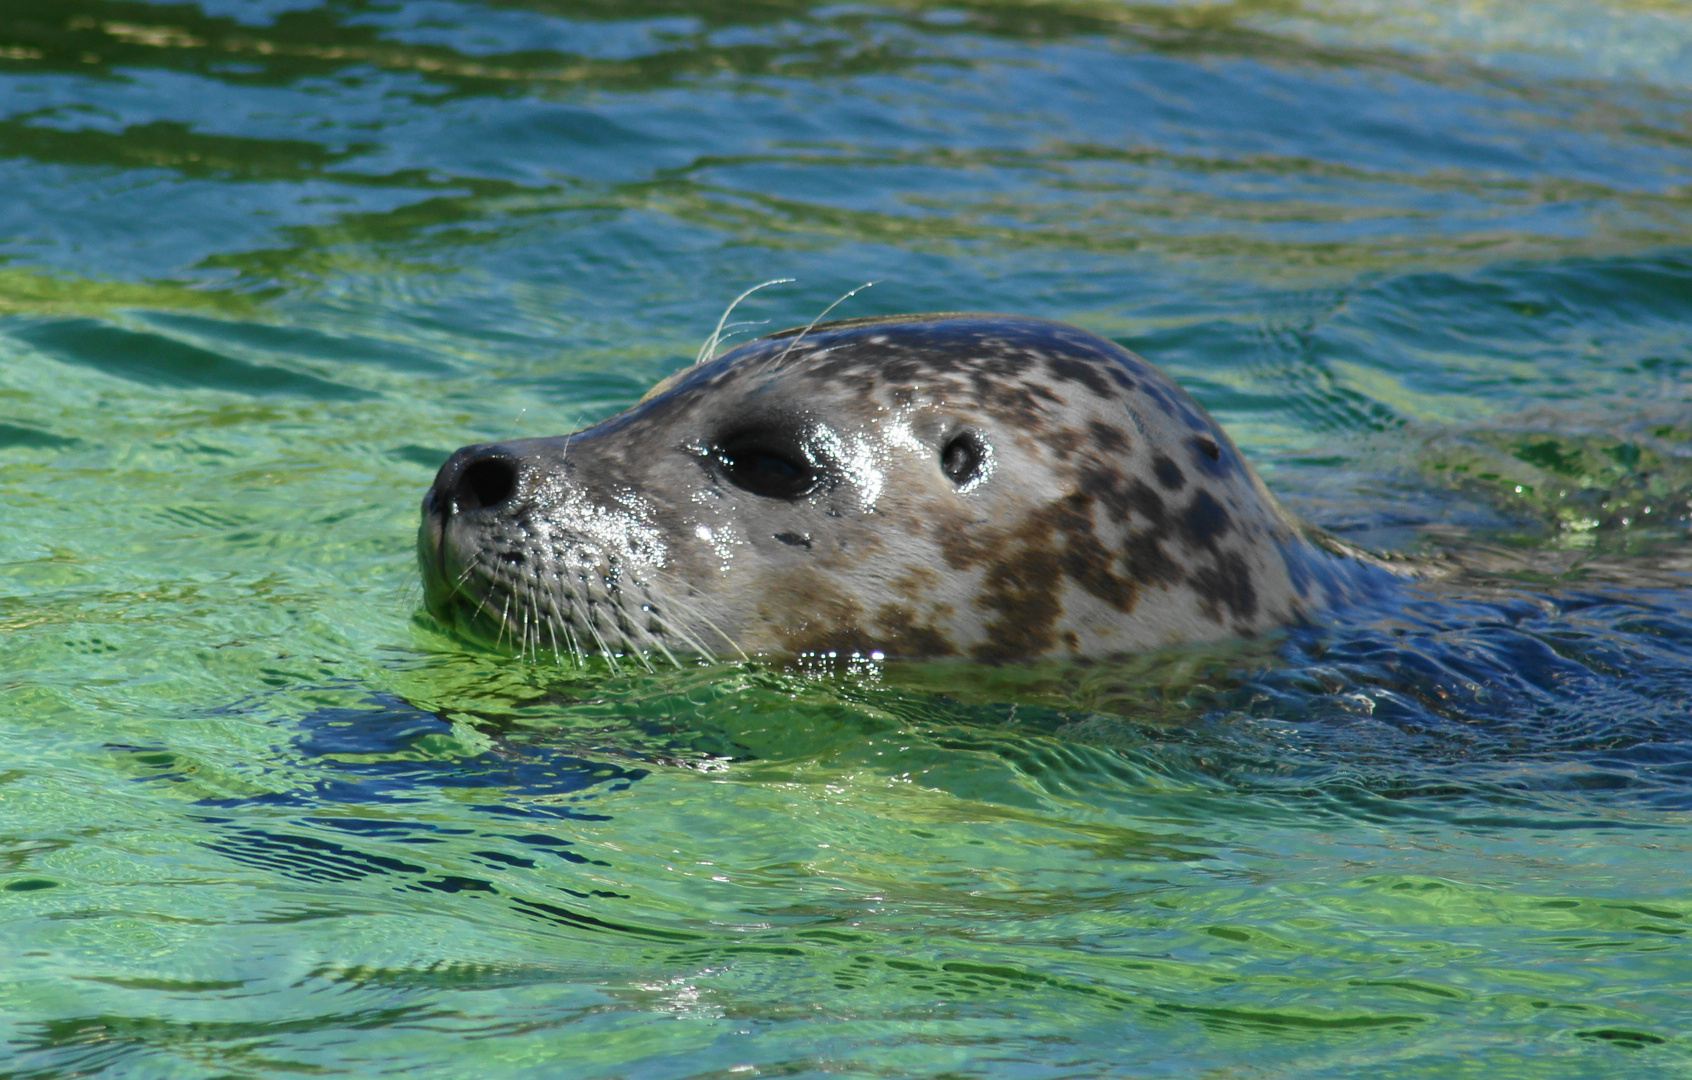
(1102, 510)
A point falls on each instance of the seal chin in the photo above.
(444, 584)
(981, 486)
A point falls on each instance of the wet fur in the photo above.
(1117, 516)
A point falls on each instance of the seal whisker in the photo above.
(736, 325)
(658, 642)
(692, 610)
(552, 633)
(525, 628)
(543, 621)
(687, 637)
(708, 351)
(604, 649)
(639, 653)
(576, 650)
(532, 622)
(482, 605)
(464, 577)
(519, 624)
(668, 655)
(710, 625)
(801, 335)
(518, 619)
(463, 580)
(693, 641)
(504, 621)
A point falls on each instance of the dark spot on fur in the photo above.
(1063, 441)
(1022, 588)
(1168, 473)
(1146, 502)
(1145, 559)
(1204, 521)
(1078, 370)
(1017, 404)
(811, 615)
(1119, 496)
(1111, 439)
(908, 638)
(1086, 561)
(1226, 584)
(1025, 568)
(1107, 486)
(955, 533)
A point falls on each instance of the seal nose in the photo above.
(475, 478)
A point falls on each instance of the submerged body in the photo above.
(982, 486)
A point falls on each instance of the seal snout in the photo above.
(475, 478)
(460, 539)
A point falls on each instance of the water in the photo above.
(265, 263)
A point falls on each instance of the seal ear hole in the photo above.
(766, 466)
(963, 458)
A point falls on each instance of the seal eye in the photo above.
(962, 458)
(765, 467)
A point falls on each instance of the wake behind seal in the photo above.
(987, 487)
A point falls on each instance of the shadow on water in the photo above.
(388, 755)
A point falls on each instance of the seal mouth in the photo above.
(444, 585)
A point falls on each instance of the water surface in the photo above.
(264, 263)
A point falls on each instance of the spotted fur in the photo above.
(1107, 513)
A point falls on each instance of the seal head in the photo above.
(982, 486)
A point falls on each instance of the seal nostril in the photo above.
(485, 482)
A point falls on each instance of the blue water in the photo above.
(263, 265)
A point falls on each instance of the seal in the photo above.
(987, 487)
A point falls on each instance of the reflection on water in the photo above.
(1160, 128)
(265, 262)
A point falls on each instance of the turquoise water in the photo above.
(265, 263)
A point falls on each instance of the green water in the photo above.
(265, 263)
